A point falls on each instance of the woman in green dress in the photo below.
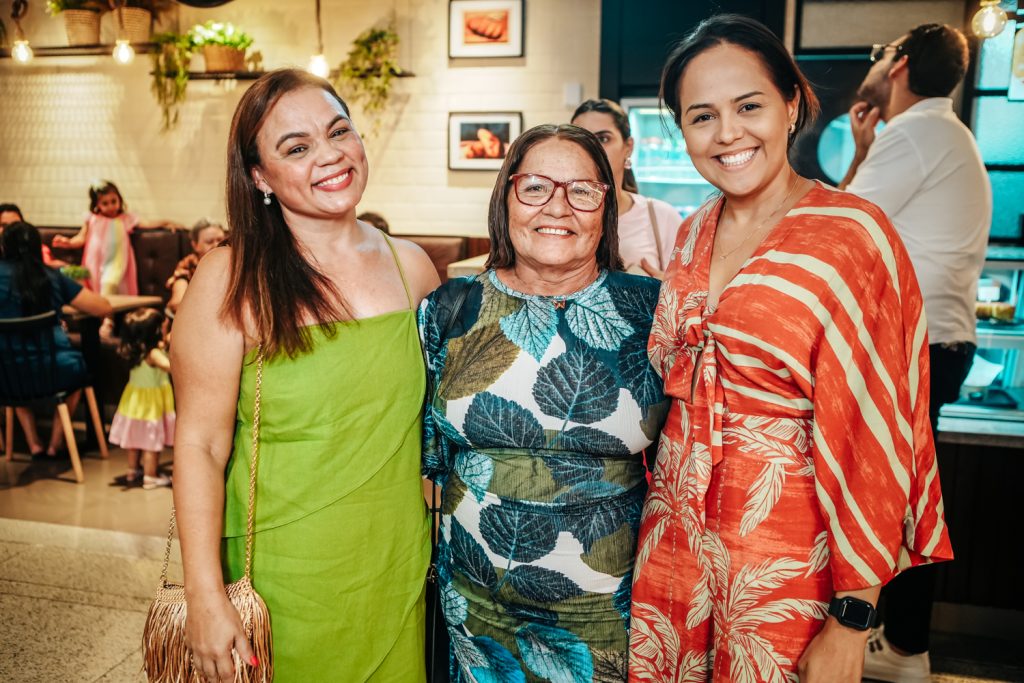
(341, 545)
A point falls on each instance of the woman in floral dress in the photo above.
(796, 468)
(542, 401)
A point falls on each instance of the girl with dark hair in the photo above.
(27, 288)
(542, 401)
(796, 472)
(106, 237)
(647, 226)
(314, 311)
(144, 421)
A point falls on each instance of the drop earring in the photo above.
(266, 198)
(792, 128)
(629, 164)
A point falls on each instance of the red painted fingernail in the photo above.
(253, 661)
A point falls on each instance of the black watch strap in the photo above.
(853, 612)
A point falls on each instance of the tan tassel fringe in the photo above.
(166, 657)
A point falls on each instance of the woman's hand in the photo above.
(212, 630)
(835, 655)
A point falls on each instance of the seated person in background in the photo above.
(205, 235)
(27, 287)
(9, 214)
(376, 220)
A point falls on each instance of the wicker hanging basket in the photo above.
(220, 58)
(82, 27)
(138, 23)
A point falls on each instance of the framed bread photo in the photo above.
(485, 28)
(478, 141)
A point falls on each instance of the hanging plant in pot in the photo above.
(223, 45)
(366, 74)
(170, 75)
(81, 19)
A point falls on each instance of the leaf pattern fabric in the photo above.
(797, 458)
(541, 409)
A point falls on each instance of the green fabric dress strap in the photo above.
(401, 271)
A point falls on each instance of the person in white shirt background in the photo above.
(924, 170)
(647, 226)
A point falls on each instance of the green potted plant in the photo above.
(81, 19)
(223, 45)
(170, 74)
(366, 74)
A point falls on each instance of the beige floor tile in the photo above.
(128, 671)
(46, 640)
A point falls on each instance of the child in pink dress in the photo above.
(144, 421)
(106, 236)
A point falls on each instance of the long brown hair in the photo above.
(621, 121)
(271, 278)
(503, 254)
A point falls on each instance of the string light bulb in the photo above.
(989, 21)
(318, 66)
(123, 51)
(318, 63)
(21, 51)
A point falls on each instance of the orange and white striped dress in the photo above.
(800, 460)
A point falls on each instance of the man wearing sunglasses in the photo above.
(924, 170)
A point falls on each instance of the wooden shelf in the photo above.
(81, 50)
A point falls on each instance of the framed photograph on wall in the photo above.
(485, 28)
(478, 141)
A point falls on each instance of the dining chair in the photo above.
(29, 377)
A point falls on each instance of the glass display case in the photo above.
(994, 389)
(662, 168)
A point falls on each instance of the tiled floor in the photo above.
(79, 564)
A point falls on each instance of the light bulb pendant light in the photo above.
(989, 21)
(21, 51)
(318, 63)
(123, 51)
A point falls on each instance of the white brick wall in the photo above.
(68, 120)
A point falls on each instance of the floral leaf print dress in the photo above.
(797, 458)
(541, 408)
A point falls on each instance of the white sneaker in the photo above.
(149, 483)
(882, 663)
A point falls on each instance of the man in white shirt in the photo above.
(924, 170)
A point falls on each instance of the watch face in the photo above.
(857, 613)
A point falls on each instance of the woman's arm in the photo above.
(88, 301)
(207, 358)
(836, 654)
(178, 288)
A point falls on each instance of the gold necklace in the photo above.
(789, 195)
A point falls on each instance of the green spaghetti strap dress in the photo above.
(342, 534)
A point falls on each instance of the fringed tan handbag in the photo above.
(166, 657)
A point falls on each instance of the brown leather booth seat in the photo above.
(157, 252)
(441, 250)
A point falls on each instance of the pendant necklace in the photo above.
(789, 195)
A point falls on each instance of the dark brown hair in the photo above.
(937, 58)
(503, 254)
(100, 188)
(750, 35)
(23, 247)
(141, 334)
(621, 121)
(271, 279)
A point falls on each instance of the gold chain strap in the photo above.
(250, 528)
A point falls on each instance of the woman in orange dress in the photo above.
(796, 472)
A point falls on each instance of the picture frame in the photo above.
(485, 28)
(479, 141)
